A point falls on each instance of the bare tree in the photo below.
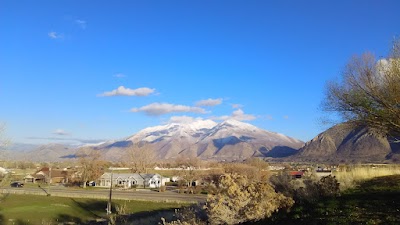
(369, 92)
(189, 170)
(90, 164)
(4, 178)
(140, 158)
(254, 169)
(4, 142)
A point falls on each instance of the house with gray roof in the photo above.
(129, 180)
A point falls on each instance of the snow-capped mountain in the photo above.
(174, 130)
(207, 139)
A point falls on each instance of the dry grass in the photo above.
(350, 176)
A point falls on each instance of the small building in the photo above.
(29, 179)
(323, 172)
(129, 180)
(46, 175)
(296, 174)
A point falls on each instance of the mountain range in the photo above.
(206, 139)
(232, 140)
(229, 140)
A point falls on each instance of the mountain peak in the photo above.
(200, 124)
(238, 124)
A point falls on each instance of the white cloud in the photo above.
(183, 119)
(209, 102)
(237, 115)
(60, 132)
(286, 117)
(55, 35)
(156, 109)
(122, 91)
(241, 116)
(82, 23)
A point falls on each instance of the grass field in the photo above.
(350, 176)
(32, 209)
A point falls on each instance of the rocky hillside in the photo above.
(344, 143)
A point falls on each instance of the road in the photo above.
(145, 195)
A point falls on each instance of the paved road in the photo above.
(103, 194)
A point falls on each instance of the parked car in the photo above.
(16, 184)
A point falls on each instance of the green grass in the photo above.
(375, 201)
(33, 209)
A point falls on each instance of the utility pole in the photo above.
(160, 185)
(109, 204)
(48, 187)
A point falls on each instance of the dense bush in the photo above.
(308, 189)
(239, 200)
(329, 186)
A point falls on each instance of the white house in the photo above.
(4, 171)
(128, 180)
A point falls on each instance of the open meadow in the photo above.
(350, 175)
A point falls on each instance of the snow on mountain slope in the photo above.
(208, 139)
(236, 139)
(189, 130)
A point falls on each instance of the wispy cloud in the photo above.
(237, 115)
(286, 117)
(76, 140)
(156, 109)
(60, 132)
(81, 23)
(237, 106)
(119, 75)
(209, 102)
(55, 35)
(183, 119)
(122, 91)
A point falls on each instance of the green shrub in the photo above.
(175, 184)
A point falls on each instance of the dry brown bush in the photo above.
(240, 199)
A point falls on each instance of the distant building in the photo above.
(129, 180)
(47, 175)
(4, 171)
(323, 172)
(296, 174)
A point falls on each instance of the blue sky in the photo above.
(95, 70)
